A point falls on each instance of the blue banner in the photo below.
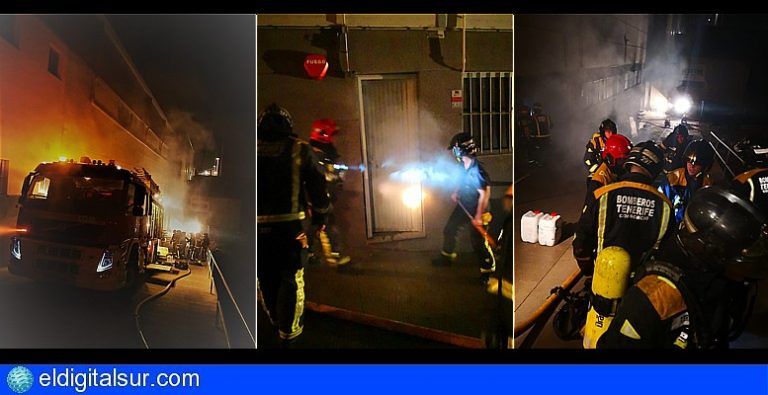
(385, 379)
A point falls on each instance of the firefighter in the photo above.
(680, 184)
(674, 145)
(596, 144)
(611, 166)
(629, 213)
(688, 296)
(321, 139)
(291, 179)
(473, 195)
(175, 243)
(752, 184)
(205, 245)
(500, 323)
(524, 127)
(543, 122)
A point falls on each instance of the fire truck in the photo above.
(89, 224)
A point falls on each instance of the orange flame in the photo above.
(9, 230)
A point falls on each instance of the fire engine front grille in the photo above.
(58, 267)
(59, 252)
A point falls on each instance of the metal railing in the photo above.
(213, 270)
(729, 159)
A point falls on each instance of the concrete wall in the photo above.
(473, 21)
(43, 117)
(559, 55)
(281, 79)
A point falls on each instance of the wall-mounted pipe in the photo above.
(463, 44)
(345, 33)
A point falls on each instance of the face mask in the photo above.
(457, 153)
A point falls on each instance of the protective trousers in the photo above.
(282, 249)
(457, 221)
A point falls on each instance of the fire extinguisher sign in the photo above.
(456, 98)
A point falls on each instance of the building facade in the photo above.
(53, 104)
(399, 87)
(582, 69)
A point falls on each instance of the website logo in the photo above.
(20, 379)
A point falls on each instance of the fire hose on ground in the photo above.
(137, 316)
(545, 310)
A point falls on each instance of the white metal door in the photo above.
(390, 140)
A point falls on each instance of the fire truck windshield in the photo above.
(78, 194)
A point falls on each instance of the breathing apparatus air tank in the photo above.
(609, 283)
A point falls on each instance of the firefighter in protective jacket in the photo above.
(629, 213)
(596, 145)
(321, 139)
(613, 157)
(680, 184)
(688, 296)
(473, 196)
(291, 181)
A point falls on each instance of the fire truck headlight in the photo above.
(105, 263)
(16, 248)
(683, 104)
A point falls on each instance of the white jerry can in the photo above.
(529, 226)
(550, 228)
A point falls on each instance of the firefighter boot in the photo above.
(445, 259)
(332, 258)
(336, 259)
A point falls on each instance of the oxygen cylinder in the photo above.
(609, 282)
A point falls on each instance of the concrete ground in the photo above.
(43, 315)
(396, 285)
(560, 186)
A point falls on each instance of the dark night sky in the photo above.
(203, 65)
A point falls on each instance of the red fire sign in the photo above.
(316, 66)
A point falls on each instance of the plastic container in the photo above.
(529, 226)
(550, 229)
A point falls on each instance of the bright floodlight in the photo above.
(683, 104)
(412, 196)
(659, 104)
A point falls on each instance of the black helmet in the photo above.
(681, 129)
(463, 144)
(648, 156)
(678, 136)
(274, 121)
(718, 225)
(537, 108)
(607, 124)
(700, 152)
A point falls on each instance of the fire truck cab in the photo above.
(89, 224)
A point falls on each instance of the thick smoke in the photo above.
(436, 171)
(585, 50)
(200, 136)
(190, 138)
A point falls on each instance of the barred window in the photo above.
(605, 88)
(487, 110)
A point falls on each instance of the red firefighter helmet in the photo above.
(616, 149)
(323, 130)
